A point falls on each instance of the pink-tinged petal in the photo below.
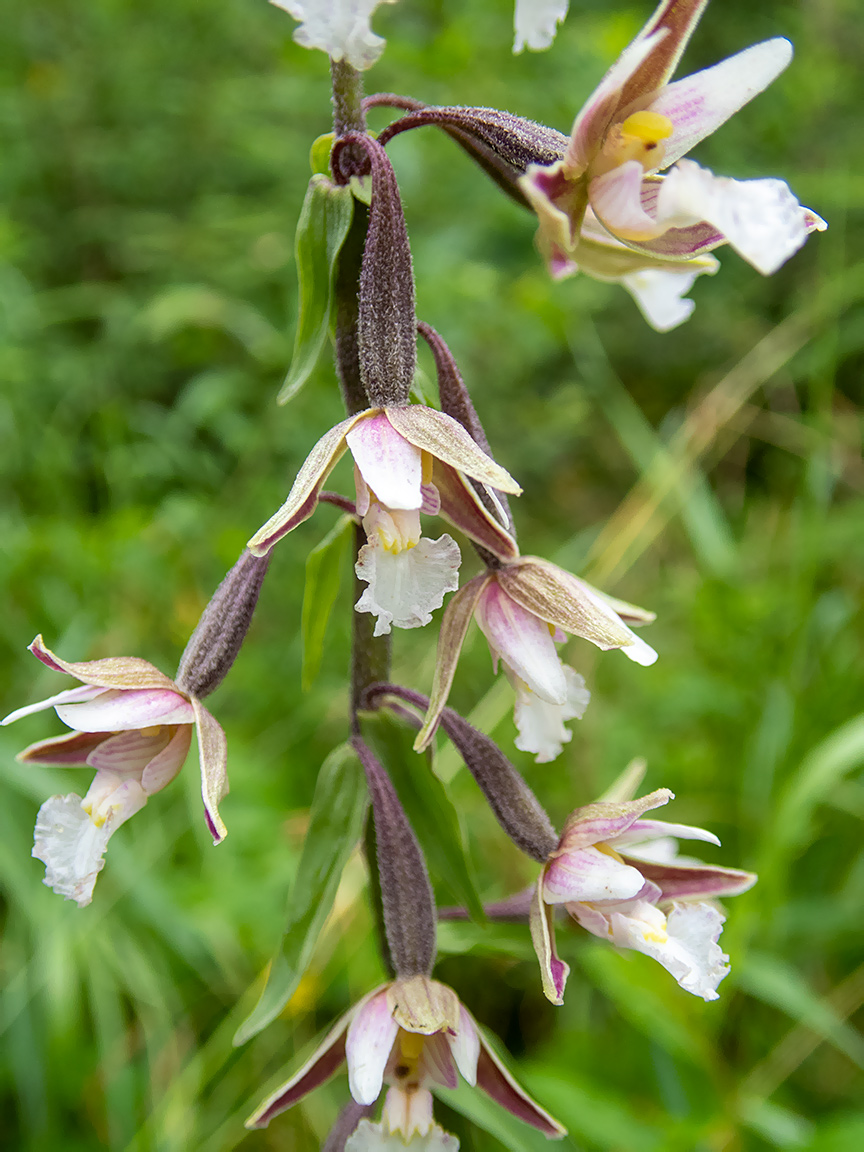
(699, 104)
(213, 759)
(616, 199)
(644, 830)
(588, 875)
(677, 18)
(688, 947)
(304, 494)
(454, 625)
(166, 764)
(813, 222)
(389, 464)
(553, 971)
(523, 641)
(542, 726)
(465, 1046)
(115, 672)
(536, 23)
(445, 439)
(70, 696)
(695, 881)
(321, 1065)
(593, 920)
(560, 205)
(67, 751)
(129, 752)
(760, 219)
(460, 504)
(497, 1083)
(71, 847)
(119, 709)
(370, 1038)
(431, 505)
(405, 588)
(568, 603)
(593, 121)
(438, 1063)
(604, 821)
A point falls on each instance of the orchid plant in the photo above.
(618, 201)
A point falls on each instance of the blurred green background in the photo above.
(154, 165)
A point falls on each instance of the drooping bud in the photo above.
(386, 325)
(515, 806)
(406, 894)
(502, 144)
(456, 402)
(219, 635)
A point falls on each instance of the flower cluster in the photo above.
(617, 200)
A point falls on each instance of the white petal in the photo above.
(643, 832)
(465, 1046)
(541, 725)
(761, 219)
(370, 1038)
(524, 642)
(70, 846)
(338, 27)
(405, 587)
(388, 463)
(636, 650)
(587, 874)
(660, 294)
(688, 947)
(616, 199)
(369, 1137)
(119, 709)
(699, 104)
(536, 22)
(70, 696)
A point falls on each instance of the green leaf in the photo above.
(335, 824)
(324, 222)
(429, 808)
(483, 1111)
(323, 575)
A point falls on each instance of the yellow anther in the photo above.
(649, 127)
(640, 137)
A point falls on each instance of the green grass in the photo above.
(155, 167)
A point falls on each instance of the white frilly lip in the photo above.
(761, 219)
(341, 28)
(369, 1137)
(661, 293)
(535, 23)
(72, 847)
(688, 948)
(406, 587)
(542, 726)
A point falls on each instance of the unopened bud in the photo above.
(386, 323)
(515, 806)
(406, 894)
(219, 636)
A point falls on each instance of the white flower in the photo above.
(341, 28)
(536, 22)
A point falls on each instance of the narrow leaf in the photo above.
(335, 825)
(324, 566)
(430, 810)
(324, 222)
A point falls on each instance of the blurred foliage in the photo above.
(154, 170)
